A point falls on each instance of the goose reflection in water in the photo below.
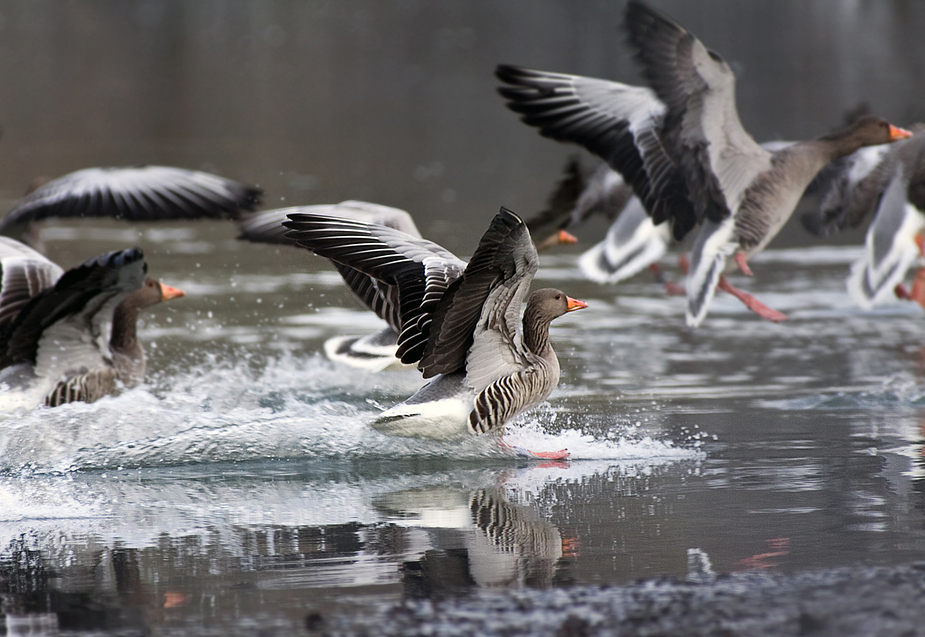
(463, 538)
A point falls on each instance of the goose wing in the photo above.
(23, 274)
(617, 122)
(267, 226)
(399, 276)
(134, 194)
(718, 158)
(64, 328)
(477, 323)
(848, 189)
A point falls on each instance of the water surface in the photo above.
(240, 490)
(240, 485)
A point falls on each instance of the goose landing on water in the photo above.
(459, 322)
(53, 348)
(683, 149)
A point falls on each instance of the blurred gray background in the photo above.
(394, 101)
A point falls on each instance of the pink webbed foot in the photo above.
(751, 302)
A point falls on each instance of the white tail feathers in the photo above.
(713, 246)
(633, 242)
(890, 249)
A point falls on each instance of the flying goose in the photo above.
(373, 352)
(633, 241)
(71, 336)
(682, 147)
(460, 323)
(149, 193)
(890, 181)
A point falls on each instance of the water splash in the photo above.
(249, 410)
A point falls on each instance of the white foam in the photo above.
(623, 447)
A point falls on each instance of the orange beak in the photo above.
(897, 133)
(567, 237)
(575, 304)
(168, 292)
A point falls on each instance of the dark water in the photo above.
(240, 491)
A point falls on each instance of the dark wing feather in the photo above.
(619, 123)
(134, 194)
(84, 290)
(505, 255)
(381, 297)
(411, 273)
(664, 50)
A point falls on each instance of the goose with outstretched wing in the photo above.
(681, 146)
(460, 323)
(71, 335)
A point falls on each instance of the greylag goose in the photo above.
(889, 180)
(633, 240)
(150, 193)
(683, 149)
(53, 324)
(459, 322)
(374, 352)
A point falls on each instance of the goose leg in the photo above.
(917, 293)
(562, 454)
(751, 302)
(671, 288)
(740, 261)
